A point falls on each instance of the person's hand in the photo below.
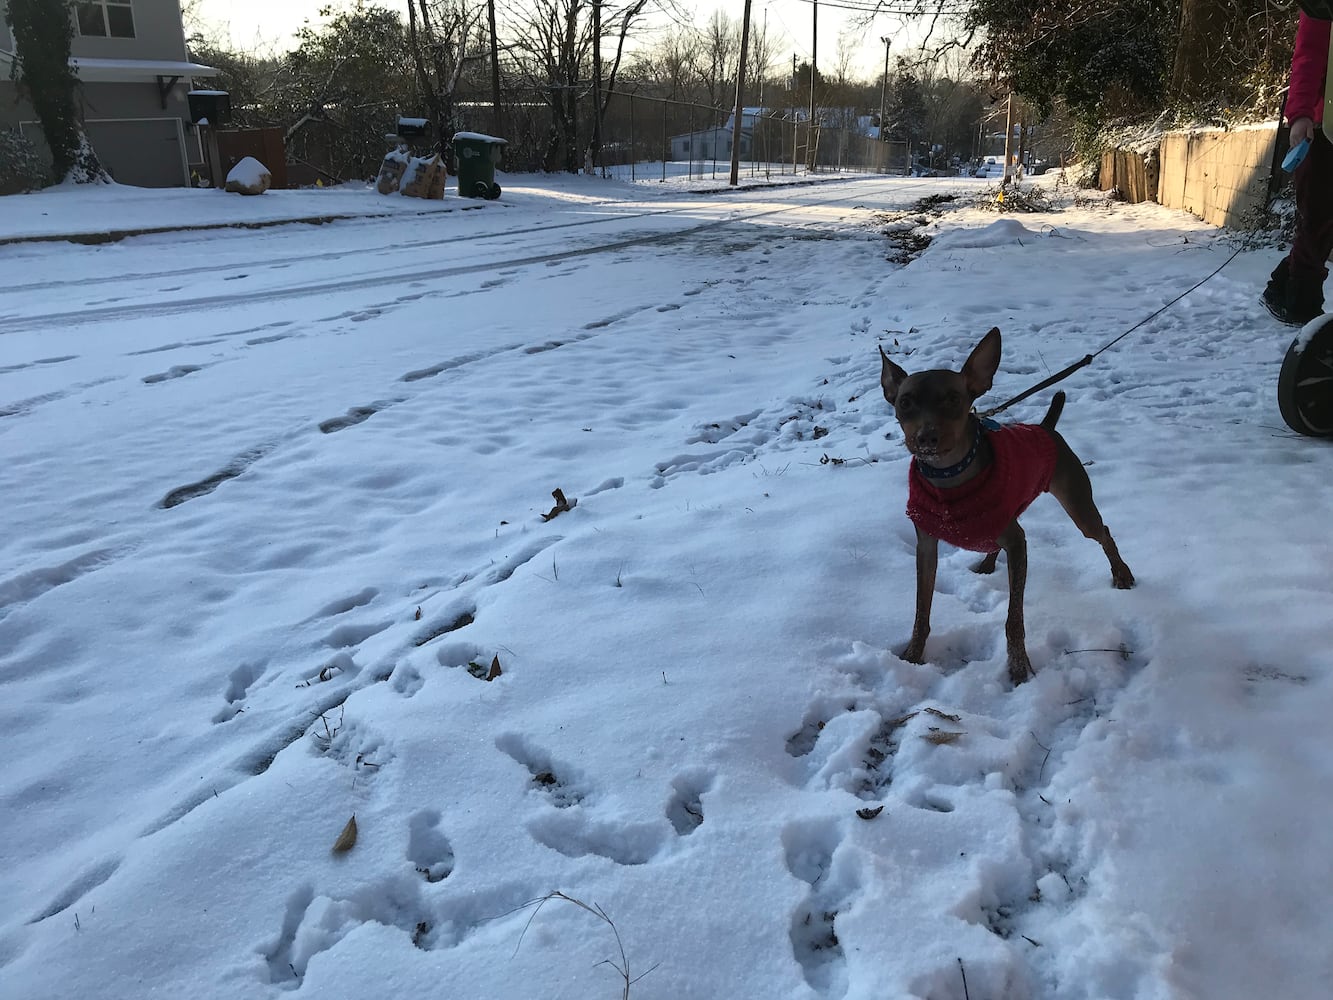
(1301, 129)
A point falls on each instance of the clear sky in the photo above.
(264, 23)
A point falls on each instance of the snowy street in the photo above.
(280, 548)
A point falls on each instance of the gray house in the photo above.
(131, 61)
(715, 142)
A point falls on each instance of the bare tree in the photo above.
(444, 36)
(763, 56)
(667, 66)
(720, 55)
(551, 53)
(551, 44)
(618, 21)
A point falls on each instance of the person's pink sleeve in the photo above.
(1309, 63)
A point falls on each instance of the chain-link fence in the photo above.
(647, 138)
(642, 138)
(652, 138)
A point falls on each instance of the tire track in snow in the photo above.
(252, 265)
(399, 276)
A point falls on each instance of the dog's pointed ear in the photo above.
(891, 377)
(982, 364)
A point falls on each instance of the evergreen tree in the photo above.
(342, 88)
(1101, 57)
(801, 85)
(43, 34)
(905, 111)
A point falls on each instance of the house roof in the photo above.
(125, 70)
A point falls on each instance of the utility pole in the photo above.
(596, 82)
(883, 92)
(1024, 136)
(795, 125)
(495, 73)
(1008, 138)
(740, 100)
(814, 60)
(763, 41)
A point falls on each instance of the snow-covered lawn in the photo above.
(276, 553)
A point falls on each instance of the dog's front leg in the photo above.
(927, 560)
(1014, 542)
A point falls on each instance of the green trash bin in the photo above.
(475, 159)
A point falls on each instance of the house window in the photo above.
(105, 18)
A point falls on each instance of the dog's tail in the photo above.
(1053, 414)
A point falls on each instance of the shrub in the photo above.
(21, 169)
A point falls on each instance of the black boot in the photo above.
(1293, 299)
(1275, 294)
(1305, 299)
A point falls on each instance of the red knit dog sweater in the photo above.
(972, 516)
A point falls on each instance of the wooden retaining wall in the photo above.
(1133, 174)
(1221, 176)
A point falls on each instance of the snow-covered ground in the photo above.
(275, 510)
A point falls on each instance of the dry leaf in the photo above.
(943, 715)
(868, 813)
(495, 669)
(418, 615)
(561, 505)
(347, 839)
(891, 724)
(939, 737)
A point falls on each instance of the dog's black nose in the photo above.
(928, 438)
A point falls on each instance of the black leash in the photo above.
(1087, 359)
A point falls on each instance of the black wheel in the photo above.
(1305, 384)
(481, 189)
(495, 192)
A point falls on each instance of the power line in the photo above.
(897, 8)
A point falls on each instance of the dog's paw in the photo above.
(986, 565)
(915, 651)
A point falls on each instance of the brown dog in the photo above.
(969, 484)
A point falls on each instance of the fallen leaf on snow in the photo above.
(347, 839)
(561, 505)
(939, 737)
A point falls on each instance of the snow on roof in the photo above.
(111, 70)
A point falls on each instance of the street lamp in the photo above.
(883, 87)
